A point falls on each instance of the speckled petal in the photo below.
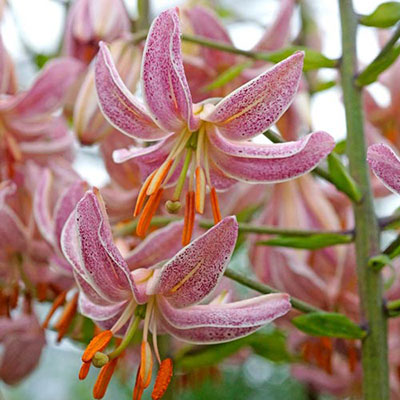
(241, 314)
(255, 150)
(118, 104)
(160, 245)
(164, 84)
(196, 270)
(207, 335)
(255, 106)
(99, 313)
(386, 165)
(271, 170)
(87, 244)
(206, 24)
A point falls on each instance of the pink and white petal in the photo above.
(13, 233)
(118, 105)
(255, 106)
(207, 335)
(98, 312)
(7, 188)
(41, 205)
(99, 261)
(386, 165)
(255, 150)
(206, 24)
(65, 205)
(50, 88)
(259, 170)
(256, 311)
(277, 35)
(196, 270)
(219, 180)
(160, 245)
(164, 86)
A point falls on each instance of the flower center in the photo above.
(190, 153)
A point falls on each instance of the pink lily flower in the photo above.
(89, 22)
(385, 164)
(204, 68)
(206, 143)
(166, 293)
(29, 130)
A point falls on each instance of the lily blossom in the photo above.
(165, 295)
(386, 165)
(205, 144)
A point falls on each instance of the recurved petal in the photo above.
(206, 24)
(196, 270)
(118, 104)
(386, 165)
(164, 84)
(207, 335)
(271, 170)
(50, 89)
(255, 106)
(241, 314)
(160, 245)
(87, 244)
(97, 312)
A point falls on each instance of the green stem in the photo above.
(127, 338)
(374, 346)
(143, 22)
(265, 289)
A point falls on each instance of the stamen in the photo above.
(138, 390)
(101, 385)
(182, 177)
(215, 206)
(98, 343)
(149, 210)
(123, 319)
(146, 365)
(67, 316)
(200, 190)
(189, 218)
(41, 291)
(127, 338)
(58, 302)
(352, 357)
(159, 177)
(142, 194)
(163, 379)
(83, 372)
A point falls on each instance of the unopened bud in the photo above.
(100, 359)
(173, 206)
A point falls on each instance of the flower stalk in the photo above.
(374, 346)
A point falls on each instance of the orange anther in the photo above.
(138, 390)
(66, 318)
(58, 302)
(142, 194)
(163, 379)
(101, 385)
(159, 177)
(83, 372)
(41, 291)
(200, 190)
(146, 365)
(188, 218)
(148, 212)
(215, 206)
(352, 357)
(98, 343)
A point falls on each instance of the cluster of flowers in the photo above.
(186, 142)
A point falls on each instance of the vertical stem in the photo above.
(143, 21)
(374, 346)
